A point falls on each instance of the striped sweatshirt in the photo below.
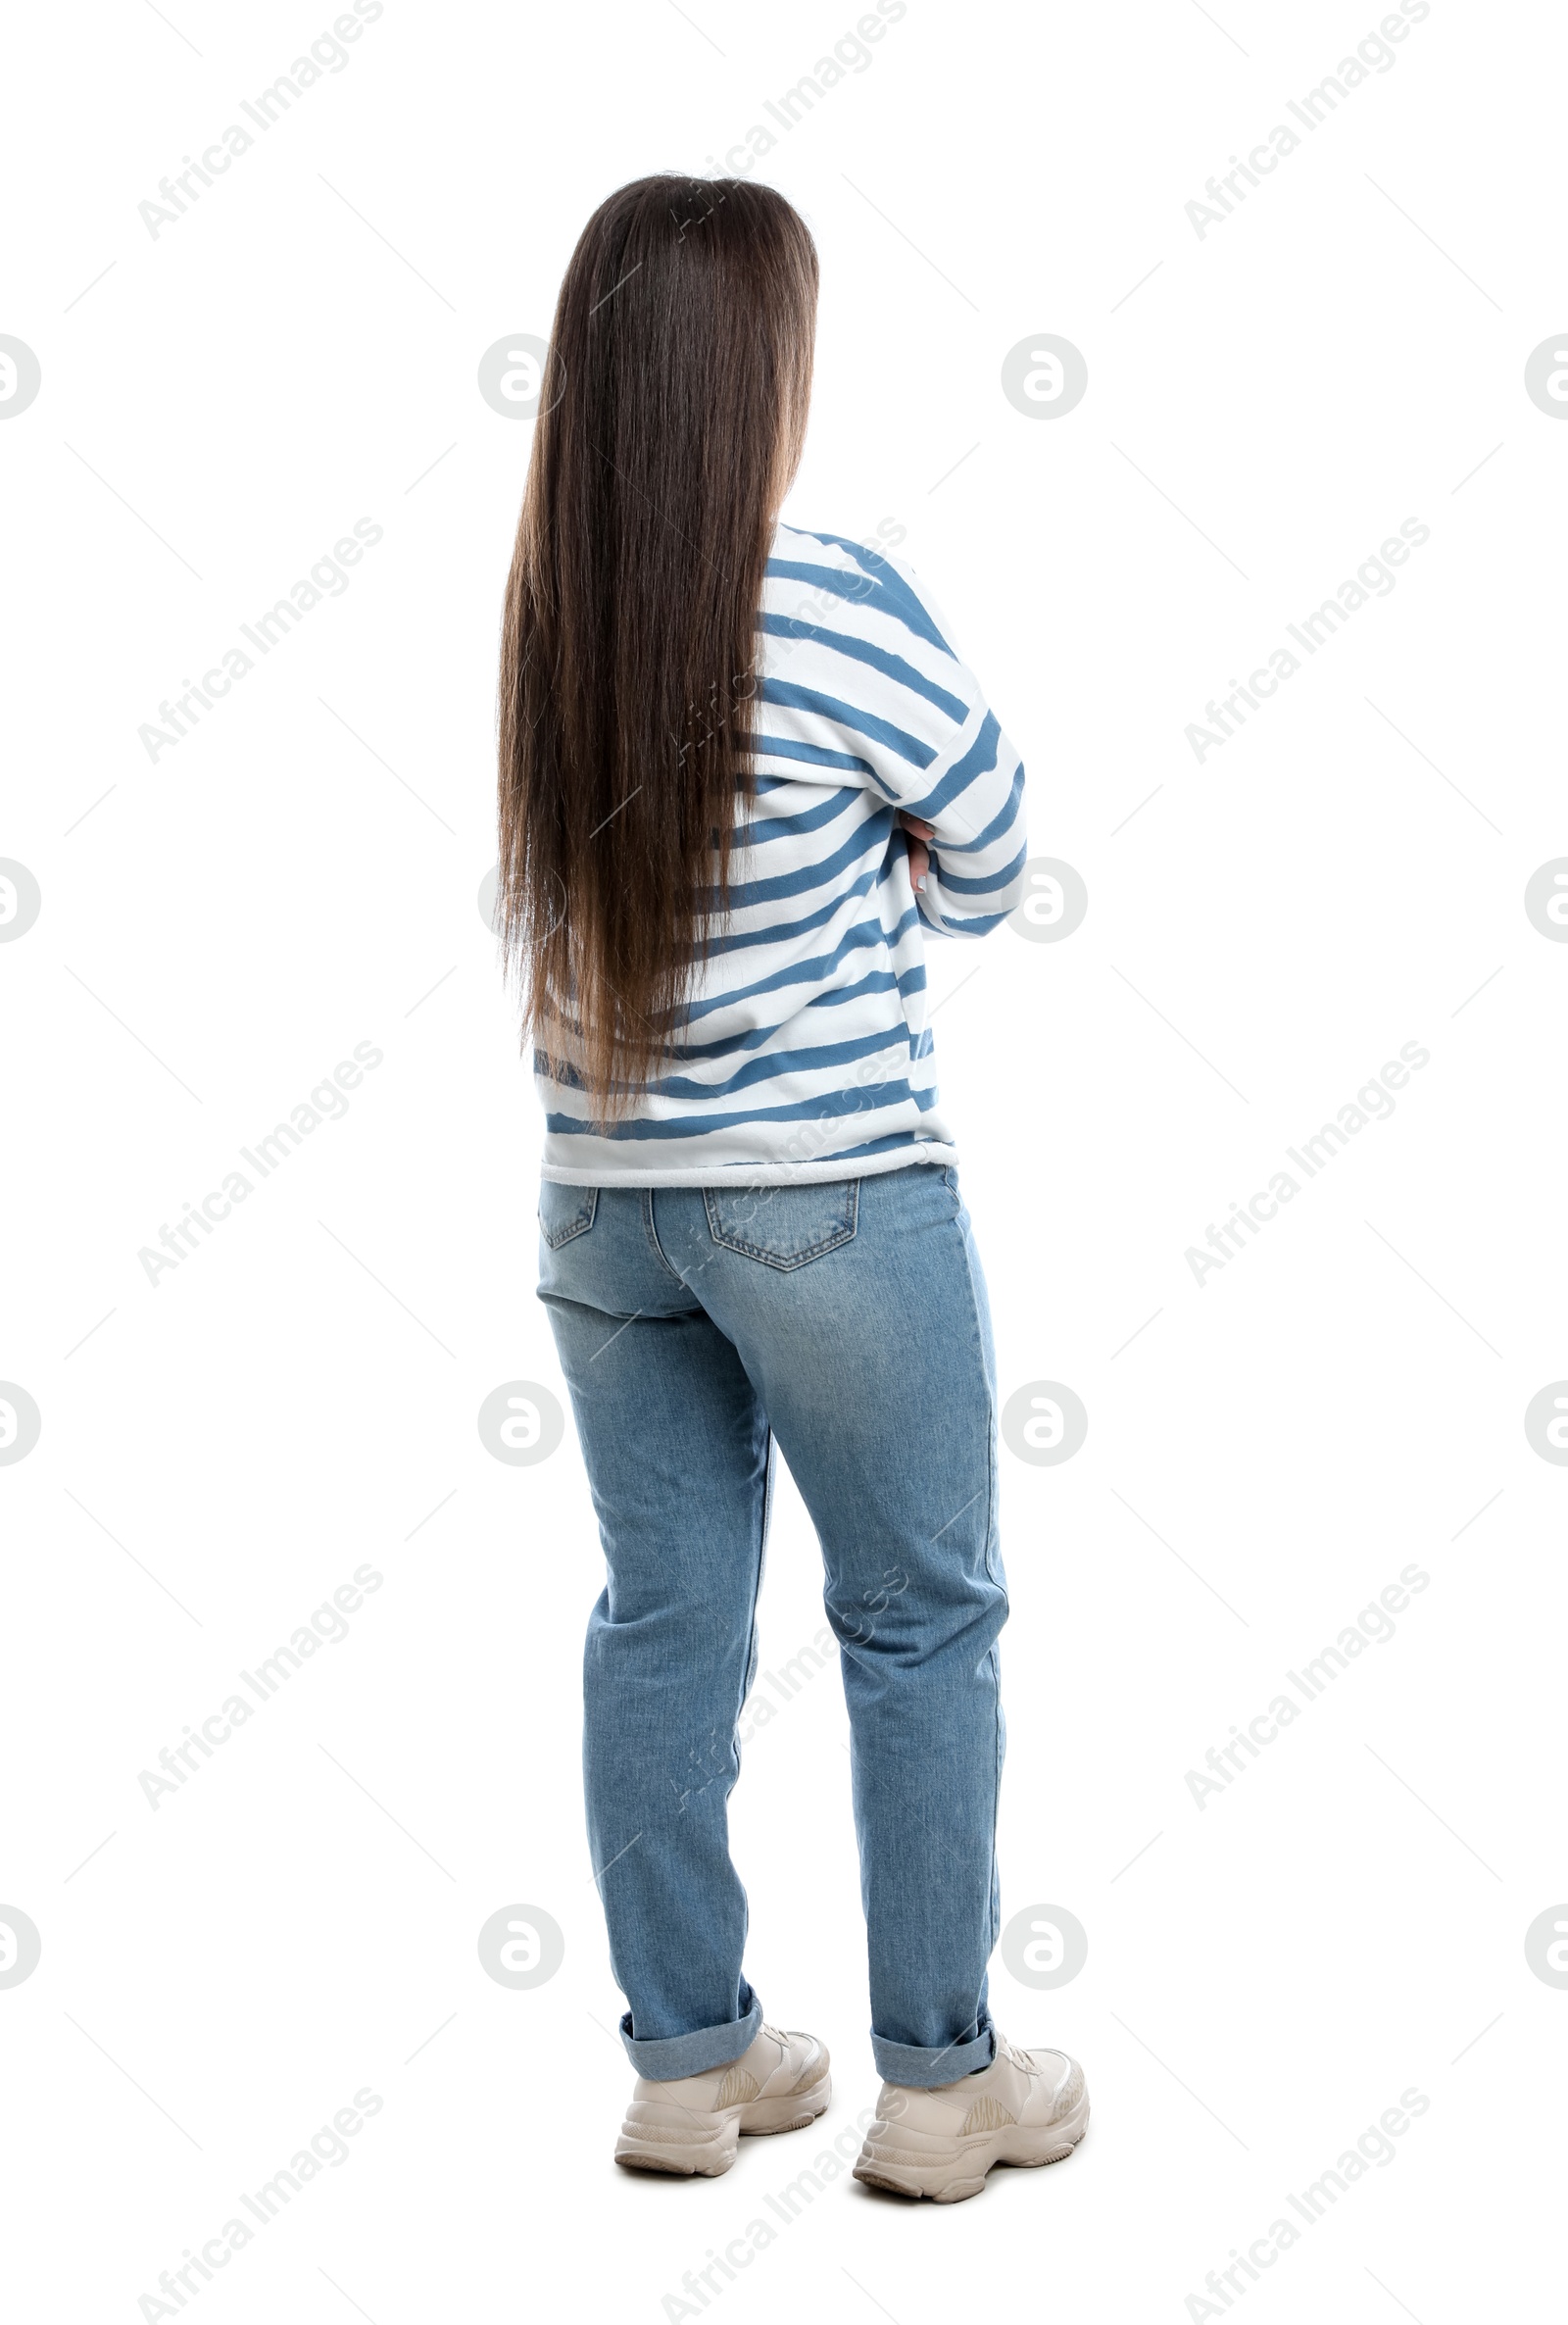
(805, 1054)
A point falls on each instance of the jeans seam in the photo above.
(651, 1233)
(993, 1524)
(751, 1653)
(757, 1579)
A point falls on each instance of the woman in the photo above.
(743, 776)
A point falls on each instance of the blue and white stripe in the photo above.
(807, 1054)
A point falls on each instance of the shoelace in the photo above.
(1019, 2058)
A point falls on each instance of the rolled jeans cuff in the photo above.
(929, 2070)
(668, 2059)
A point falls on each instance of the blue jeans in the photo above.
(848, 1321)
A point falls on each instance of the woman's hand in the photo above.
(919, 852)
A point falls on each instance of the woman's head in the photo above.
(673, 415)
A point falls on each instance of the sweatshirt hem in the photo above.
(758, 1174)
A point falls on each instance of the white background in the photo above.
(221, 1974)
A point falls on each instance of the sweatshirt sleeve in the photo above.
(864, 677)
(974, 797)
(947, 762)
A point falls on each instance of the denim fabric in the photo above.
(848, 1321)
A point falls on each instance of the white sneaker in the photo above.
(694, 2125)
(1027, 2106)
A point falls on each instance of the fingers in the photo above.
(918, 854)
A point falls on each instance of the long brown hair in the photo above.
(672, 410)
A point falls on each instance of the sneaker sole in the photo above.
(658, 2138)
(952, 2178)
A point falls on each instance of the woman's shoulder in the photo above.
(842, 572)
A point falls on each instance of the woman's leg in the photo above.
(679, 1461)
(858, 1310)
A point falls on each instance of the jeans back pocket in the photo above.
(565, 1212)
(784, 1226)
